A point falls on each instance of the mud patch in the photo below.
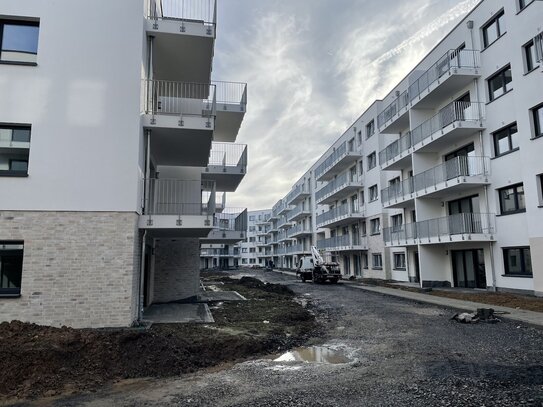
(315, 354)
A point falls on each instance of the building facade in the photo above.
(441, 182)
(114, 142)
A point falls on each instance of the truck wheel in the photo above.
(334, 280)
(302, 277)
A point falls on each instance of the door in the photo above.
(460, 162)
(357, 266)
(469, 268)
(417, 268)
(464, 216)
(347, 265)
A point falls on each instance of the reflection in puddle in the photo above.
(314, 354)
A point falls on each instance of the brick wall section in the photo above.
(177, 269)
(80, 269)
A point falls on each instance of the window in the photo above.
(352, 174)
(523, 3)
(512, 199)
(530, 57)
(370, 129)
(505, 140)
(243, 261)
(360, 167)
(252, 229)
(252, 218)
(252, 250)
(362, 198)
(537, 114)
(498, 84)
(377, 261)
(252, 239)
(11, 268)
(494, 29)
(19, 41)
(363, 228)
(351, 144)
(375, 226)
(540, 188)
(397, 222)
(359, 137)
(14, 158)
(517, 261)
(244, 250)
(374, 193)
(252, 261)
(399, 261)
(372, 160)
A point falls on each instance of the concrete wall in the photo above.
(79, 269)
(177, 269)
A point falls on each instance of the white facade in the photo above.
(460, 131)
(125, 125)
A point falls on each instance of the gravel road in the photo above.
(401, 354)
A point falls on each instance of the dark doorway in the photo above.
(147, 273)
(469, 268)
(417, 267)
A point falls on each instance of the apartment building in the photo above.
(114, 142)
(441, 182)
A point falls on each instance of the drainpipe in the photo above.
(141, 296)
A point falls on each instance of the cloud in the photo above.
(312, 70)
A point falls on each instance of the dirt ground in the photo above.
(38, 361)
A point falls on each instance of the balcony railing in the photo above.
(397, 191)
(336, 242)
(453, 59)
(458, 224)
(297, 211)
(301, 189)
(393, 108)
(297, 248)
(454, 112)
(228, 155)
(298, 229)
(234, 219)
(180, 98)
(335, 186)
(394, 149)
(178, 197)
(184, 10)
(231, 93)
(339, 212)
(340, 152)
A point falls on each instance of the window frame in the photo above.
(516, 198)
(500, 73)
(373, 196)
(538, 124)
(370, 128)
(7, 292)
(372, 159)
(375, 221)
(27, 23)
(395, 256)
(530, 57)
(523, 273)
(376, 265)
(509, 139)
(495, 19)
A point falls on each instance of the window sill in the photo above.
(518, 275)
(13, 174)
(375, 234)
(506, 153)
(399, 269)
(18, 63)
(511, 213)
(525, 7)
(499, 97)
(536, 137)
(493, 42)
(535, 68)
(377, 268)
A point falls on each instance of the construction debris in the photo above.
(481, 315)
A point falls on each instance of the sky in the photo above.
(313, 67)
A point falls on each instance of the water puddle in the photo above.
(315, 354)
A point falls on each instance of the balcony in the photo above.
(452, 72)
(342, 243)
(398, 195)
(283, 237)
(297, 249)
(397, 155)
(298, 213)
(341, 215)
(453, 123)
(298, 194)
(282, 208)
(394, 118)
(341, 159)
(461, 227)
(176, 208)
(299, 231)
(281, 251)
(229, 227)
(231, 108)
(227, 165)
(284, 223)
(220, 203)
(180, 28)
(340, 187)
(181, 118)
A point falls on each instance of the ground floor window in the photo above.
(11, 268)
(399, 261)
(517, 261)
(365, 260)
(252, 261)
(243, 261)
(377, 261)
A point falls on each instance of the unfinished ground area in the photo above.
(39, 361)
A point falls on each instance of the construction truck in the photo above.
(315, 269)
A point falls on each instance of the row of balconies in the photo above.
(340, 215)
(298, 213)
(298, 231)
(347, 242)
(460, 172)
(455, 121)
(337, 162)
(298, 194)
(339, 187)
(476, 227)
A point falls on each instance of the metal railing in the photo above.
(398, 190)
(338, 212)
(295, 230)
(453, 59)
(228, 155)
(336, 185)
(297, 248)
(231, 93)
(453, 112)
(234, 219)
(297, 191)
(184, 10)
(393, 108)
(281, 251)
(180, 98)
(395, 148)
(297, 211)
(178, 197)
(457, 224)
(340, 152)
(339, 241)
(283, 222)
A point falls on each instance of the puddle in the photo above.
(314, 354)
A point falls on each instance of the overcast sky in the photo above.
(313, 66)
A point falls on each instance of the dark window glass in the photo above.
(18, 165)
(11, 268)
(399, 261)
(372, 161)
(530, 55)
(538, 121)
(512, 199)
(505, 140)
(499, 83)
(517, 261)
(370, 129)
(494, 29)
(19, 41)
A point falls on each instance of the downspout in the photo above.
(141, 304)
